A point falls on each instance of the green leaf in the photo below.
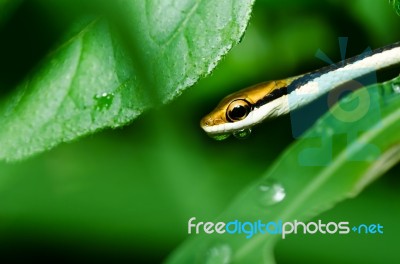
(92, 81)
(335, 160)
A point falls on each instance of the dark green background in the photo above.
(127, 194)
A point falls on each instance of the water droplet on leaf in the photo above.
(104, 100)
(242, 134)
(271, 192)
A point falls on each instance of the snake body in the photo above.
(242, 110)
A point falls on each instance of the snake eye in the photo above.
(238, 110)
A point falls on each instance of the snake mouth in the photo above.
(213, 130)
(225, 130)
(240, 134)
(208, 122)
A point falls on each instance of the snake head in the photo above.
(235, 112)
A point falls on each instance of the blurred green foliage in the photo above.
(127, 194)
(396, 5)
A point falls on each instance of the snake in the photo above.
(238, 112)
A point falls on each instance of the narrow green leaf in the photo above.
(313, 175)
(92, 81)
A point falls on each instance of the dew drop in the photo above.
(219, 254)
(104, 100)
(396, 87)
(242, 134)
(271, 192)
(220, 137)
